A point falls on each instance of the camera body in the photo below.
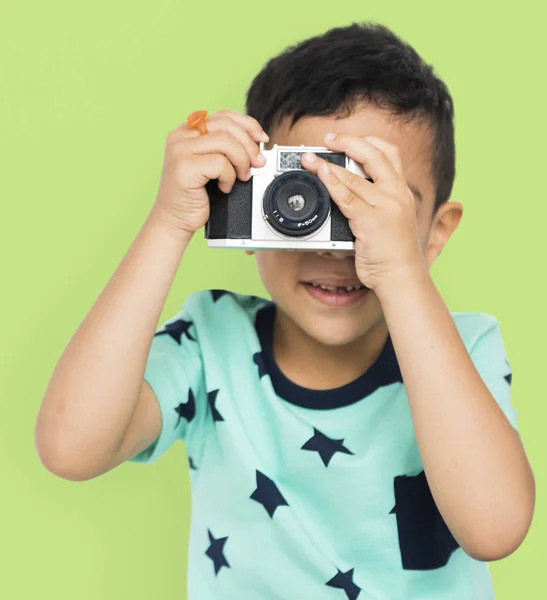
(281, 207)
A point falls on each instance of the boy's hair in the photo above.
(332, 73)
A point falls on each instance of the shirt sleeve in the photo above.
(174, 371)
(490, 359)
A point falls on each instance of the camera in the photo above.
(281, 207)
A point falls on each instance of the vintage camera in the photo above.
(283, 206)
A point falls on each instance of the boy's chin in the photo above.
(333, 334)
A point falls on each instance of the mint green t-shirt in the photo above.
(300, 494)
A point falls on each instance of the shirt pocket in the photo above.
(425, 541)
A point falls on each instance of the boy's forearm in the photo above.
(94, 389)
(474, 461)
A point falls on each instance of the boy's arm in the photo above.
(96, 411)
(473, 458)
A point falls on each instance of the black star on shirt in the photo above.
(216, 294)
(186, 410)
(177, 329)
(216, 552)
(344, 581)
(267, 494)
(212, 398)
(259, 362)
(509, 376)
(325, 446)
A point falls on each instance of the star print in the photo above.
(219, 293)
(177, 329)
(259, 362)
(509, 378)
(325, 446)
(216, 552)
(212, 398)
(191, 463)
(267, 494)
(186, 410)
(344, 581)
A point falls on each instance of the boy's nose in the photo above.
(336, 254)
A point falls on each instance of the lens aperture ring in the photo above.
(309, 217)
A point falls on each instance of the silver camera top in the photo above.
(280, 159)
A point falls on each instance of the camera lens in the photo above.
(297, 203)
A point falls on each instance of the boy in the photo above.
(350, 438)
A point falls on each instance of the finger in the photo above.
(360, 186)
(374, 161)
(221, 142)
(390, 150)
(216, 166)
(218, 124)
(225, 123)
(250, 124)
(350, 203)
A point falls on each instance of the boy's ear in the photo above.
(445, 221)
(249, 252)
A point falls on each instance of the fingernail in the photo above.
(310, 157)
(330, 136)
(261, 158)
(264, 137)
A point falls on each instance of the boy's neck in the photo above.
(310, 364)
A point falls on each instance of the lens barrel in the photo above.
(287, 191)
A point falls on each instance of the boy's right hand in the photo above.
(228, 151)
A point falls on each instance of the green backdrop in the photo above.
(88, 95)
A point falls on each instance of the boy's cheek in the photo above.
(275, 264)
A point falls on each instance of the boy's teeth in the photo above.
(328, 288)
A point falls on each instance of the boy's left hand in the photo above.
(381, 213)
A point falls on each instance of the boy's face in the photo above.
(284, 273)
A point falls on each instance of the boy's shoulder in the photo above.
(473, 326)
(219, 309)
(220, 300)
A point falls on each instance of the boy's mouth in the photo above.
(336, 293)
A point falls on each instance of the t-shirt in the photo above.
(300, 494)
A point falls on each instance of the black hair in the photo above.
(330, 74)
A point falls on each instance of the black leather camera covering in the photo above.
(230, 219)
(339, 226)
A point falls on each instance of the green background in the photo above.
(88, 94)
